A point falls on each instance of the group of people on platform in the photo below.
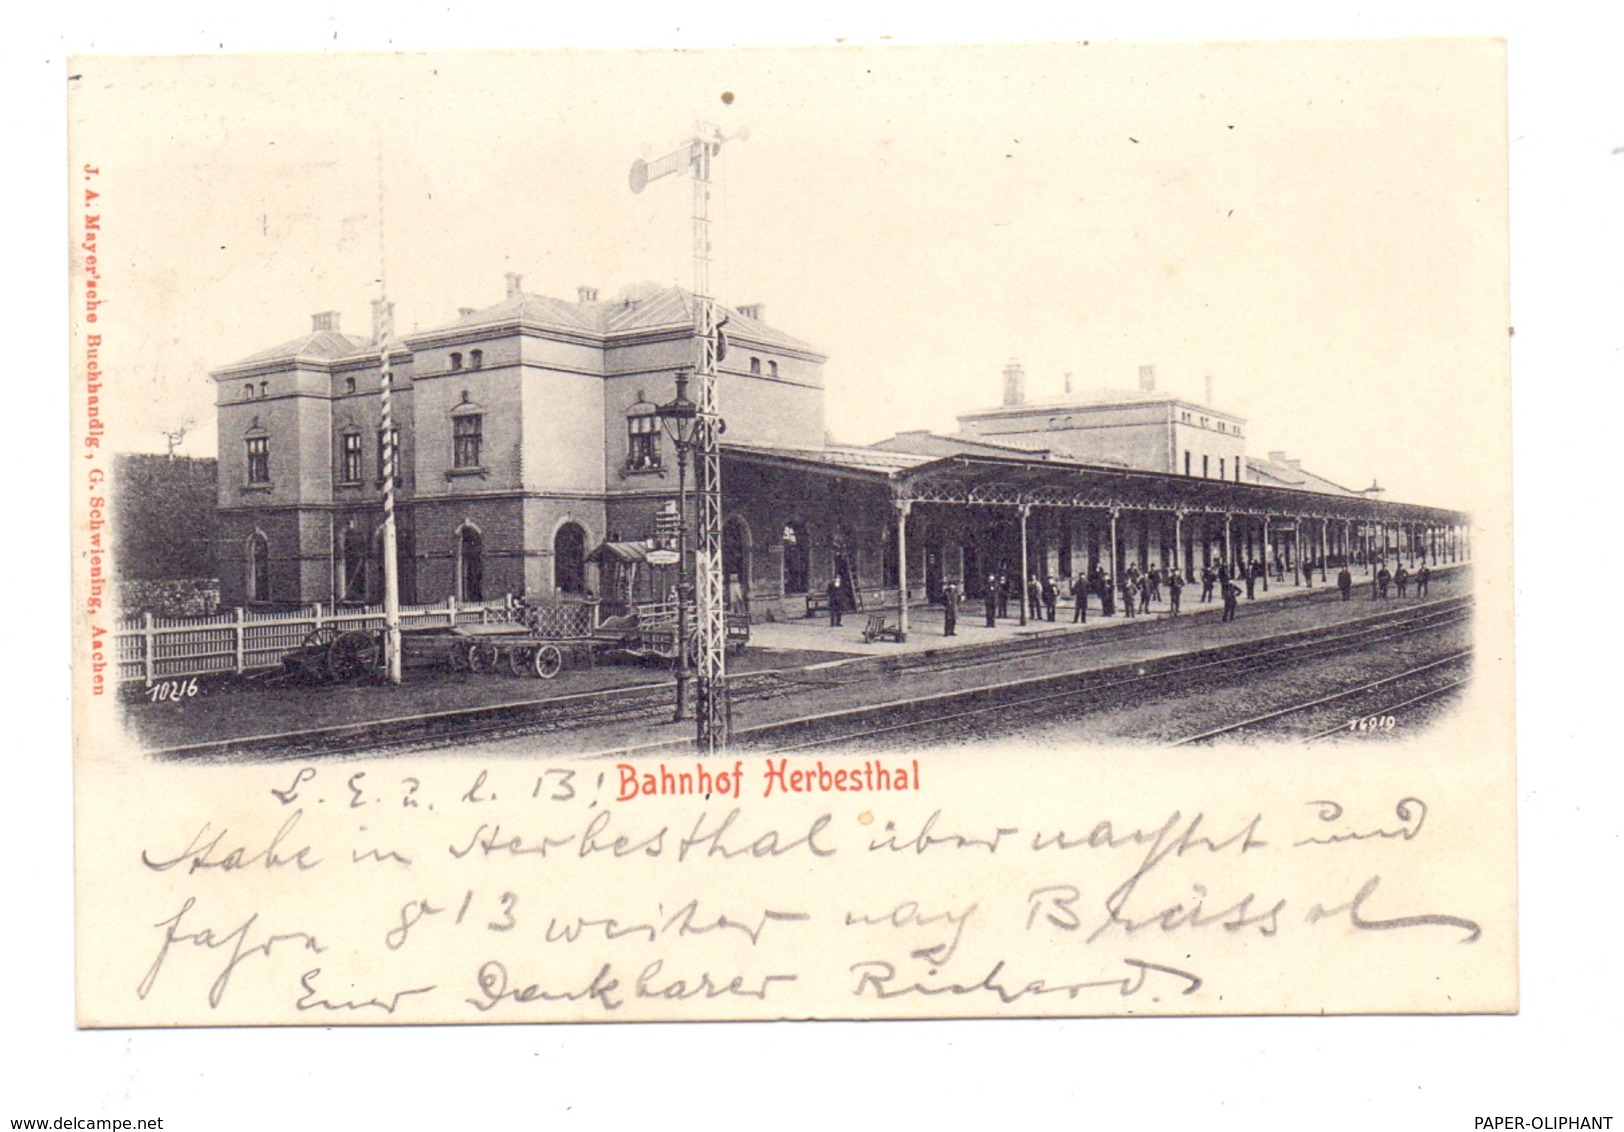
(1136, 590)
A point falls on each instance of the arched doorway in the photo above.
(736, 564)
(470, 564)
(569, 559)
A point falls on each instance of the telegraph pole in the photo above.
(712, 710)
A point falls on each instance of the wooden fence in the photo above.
(150, 648)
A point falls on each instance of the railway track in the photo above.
(1374, 702)
(650, 703)
(990, 710)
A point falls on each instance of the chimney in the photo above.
(1014, 383)
(1209, 389)
(1147, 379)
(756, 311)
(1277, 457)
(325, 320)
(383, 321)
(587, 294)
(515, 283)
(1068, 383)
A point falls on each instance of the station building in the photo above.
(530, 462)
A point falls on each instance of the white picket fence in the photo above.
(162, 648)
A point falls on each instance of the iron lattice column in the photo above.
(712, 709)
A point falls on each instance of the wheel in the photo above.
(482, 657)
(457, 656)
(519, 659)
(320, 638)
(547, 661)
(352, 654)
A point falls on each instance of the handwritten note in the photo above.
(397, 891)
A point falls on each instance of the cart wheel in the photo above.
(320, 638)
(547, 662)
(519, 659)
(457, 656)
(351, 655)
(482, 657)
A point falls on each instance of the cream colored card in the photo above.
(1241, 282)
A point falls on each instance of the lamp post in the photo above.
(678, 417)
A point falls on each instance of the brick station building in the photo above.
(531, 462)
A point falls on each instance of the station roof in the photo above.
(1013, 480)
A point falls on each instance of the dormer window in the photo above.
(476, 359)
(456, 360)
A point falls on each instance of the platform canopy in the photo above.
(1043, 481)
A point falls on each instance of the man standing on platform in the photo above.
(1232, 600)
(950, 610)
(1207, 579)
(992, 601)
(1402, 577)
(1250, 570)
(1175, 587)
(1344, 582)
(1079, 594)
(1422, 577)
(837, 601)
(1051, 596)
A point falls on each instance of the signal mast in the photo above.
(712, 710)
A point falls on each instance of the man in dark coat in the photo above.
(1422, 577)
(1079, 594)
(1383, 577)
(950, 610)
(1003, 595)
(1175, 587)
(1051, 596)
(1402, 577)
(1208, 577)
(1232, 600)
(1344, 582)
(837, 601)
(992, 600)
(1250, 570)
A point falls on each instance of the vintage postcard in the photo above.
(791, 534)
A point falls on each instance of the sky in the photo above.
(1319, 227)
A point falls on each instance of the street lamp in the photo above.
(679, 417)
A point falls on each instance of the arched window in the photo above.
(258, 581)
(248, 392)
(470, 565)
(642, 436)
(456, 360)
(349, 385)
(797, 558)
(569, 559)
(476, 359)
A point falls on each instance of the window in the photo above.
(259, 459)
(755, 367)
(642, 441)
(349, 385)
(248, 392)
(1221, 474)
(466, 434)
(259, 568)
(569, 559)
(350, 457)
(1186, 461)
(772, 369)
(456, 360)
(1206, 472)
(394, 444)
(264, 389)
(470, 565)
(476, 359)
